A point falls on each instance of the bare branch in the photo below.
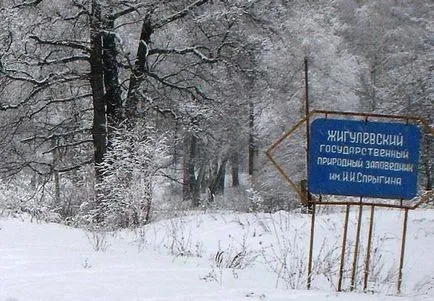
(76, 16)
(40, 168)
(70, 44)
(74, 167)
(182, 13)
(56, 101)
(67, 145)
(196, 50)
(55, 136)
(129, 9)
(70, 59)
(193, 91)
(28, 3)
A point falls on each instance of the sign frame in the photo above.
(363, 158)
(308, 198)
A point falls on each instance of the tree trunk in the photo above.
(190, 183)
(99, 128)
(218, 184)
(56, 174)
(139, 70)
(235, 165)
(113, 97)
(252, 148)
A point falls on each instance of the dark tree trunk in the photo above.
(56, 174)
(186, 195)
(190, 182)
(218, 184)
(113, 97)
(252, 148)
(139, 70)
(194, 185)
(99, 128)
(235, 165)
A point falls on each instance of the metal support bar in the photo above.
(312, 234)
(356, 247)
(344, 243)
(401, 261)
(368, 251)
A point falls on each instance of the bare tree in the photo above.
(81, 75)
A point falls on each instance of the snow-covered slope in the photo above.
(218, 256)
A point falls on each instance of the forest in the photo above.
(113, 112)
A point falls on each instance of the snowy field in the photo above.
(213, 256)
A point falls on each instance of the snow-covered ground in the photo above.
(213, 256)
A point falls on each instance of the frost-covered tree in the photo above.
(394, 41)
(85, 66)
(296, 31)
(130, 168)
(222, 79)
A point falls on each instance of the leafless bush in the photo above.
(98, 240)
(180, 240)
(424, 286)
(287, 257)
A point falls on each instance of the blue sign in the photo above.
(363, 158)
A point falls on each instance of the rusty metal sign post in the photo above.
(357, 178)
